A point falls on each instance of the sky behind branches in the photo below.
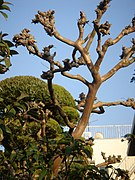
(119, 14)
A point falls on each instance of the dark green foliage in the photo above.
(5, 53)
(16, 94)
(28, 157)
(20, 96)
(12, 87)
(63, 96)
(27, 154)
(87, 172)
(35, 157)
(4, 6)
(53, 127)
(35, 89)
(6, 50)
(71, 112)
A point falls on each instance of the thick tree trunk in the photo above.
(86, 113)
(83, 121)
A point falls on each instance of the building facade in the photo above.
(109, 140)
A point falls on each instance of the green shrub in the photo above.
(71, 112)
(53, 127)
(35, 88)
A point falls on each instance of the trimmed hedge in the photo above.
(35, 88)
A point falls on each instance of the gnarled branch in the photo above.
(128, 103)
(121, 64)
(58, 107)
(109, 42)
(81, 104)
(101, 9)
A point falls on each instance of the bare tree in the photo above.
(88, 103)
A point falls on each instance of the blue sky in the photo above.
(119, 15)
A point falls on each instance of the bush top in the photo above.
(35, 88)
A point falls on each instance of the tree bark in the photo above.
(83, 120)
(86, 112)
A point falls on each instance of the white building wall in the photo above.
(109, 147)
(114, 147)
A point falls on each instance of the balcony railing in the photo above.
(108, 131)
(128, 163)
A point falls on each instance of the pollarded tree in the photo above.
(81, 46)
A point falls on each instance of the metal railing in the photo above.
(128, 163)
(108, 131)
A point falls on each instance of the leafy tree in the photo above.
(6, 50)
(4, 6)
